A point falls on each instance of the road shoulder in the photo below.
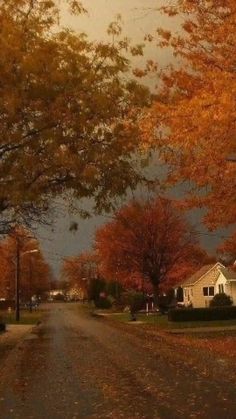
(13, 335)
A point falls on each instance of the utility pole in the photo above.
(30, 283)
(18, 274)
(17, 281)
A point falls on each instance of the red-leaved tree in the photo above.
(80, 270)
(145, 245)
(35, 273)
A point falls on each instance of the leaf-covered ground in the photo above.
(78, 366)
(218, 344)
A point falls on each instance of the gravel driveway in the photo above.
(78, 366)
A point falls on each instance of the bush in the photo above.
(202, 314)
(2, 326)
(221, 300)
(166, 301)
(135, 300)
(59, 297)
(163, 304)
(96, 287)
(103, 302)
(114, 289)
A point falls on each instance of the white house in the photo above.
(200, 288)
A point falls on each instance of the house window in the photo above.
(208, 291)
(221, 288)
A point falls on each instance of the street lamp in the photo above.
(17, 281)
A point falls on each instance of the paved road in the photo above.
(77, 366)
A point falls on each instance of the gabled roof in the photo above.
(200, 273)
(229, 274)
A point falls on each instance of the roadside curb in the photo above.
(202, 330)
(13, 343)
(15, 335)
(109, 316)
(169, 331)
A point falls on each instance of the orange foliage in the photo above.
(80, 269)
(35, 273)
(197, 257)
(65, 108)
(6, 273)
(144, 244)
(228, 249)
(196, 111)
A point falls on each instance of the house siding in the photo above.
(193, 294)
(232, 293)
(221, 280)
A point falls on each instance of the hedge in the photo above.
(202, 314)
(221, 300)
(134, 299)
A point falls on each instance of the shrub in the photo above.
(163, 303)
(59, 297)
(111, 299)
(114, 289)
(135, 300)
(166, 301)
(2, 326)
(103, 302)
(221, 300)
(96, 287)
(202, 314)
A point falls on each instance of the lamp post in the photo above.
(17, 279)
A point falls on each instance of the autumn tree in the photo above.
(35, 273)
(7, 273)
(193, 122)
(80, 270)
(196, 258)
(144, 243)
(227, 251)
(68, 111)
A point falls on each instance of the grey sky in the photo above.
(138, 20)
(138, 17)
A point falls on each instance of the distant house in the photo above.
(75, 293)
(200, 288)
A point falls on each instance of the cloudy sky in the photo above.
(139, 18)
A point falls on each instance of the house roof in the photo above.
(197, 275)
(200, 273)
(229, 274)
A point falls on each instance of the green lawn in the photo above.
(161, 321)
(25, 317)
